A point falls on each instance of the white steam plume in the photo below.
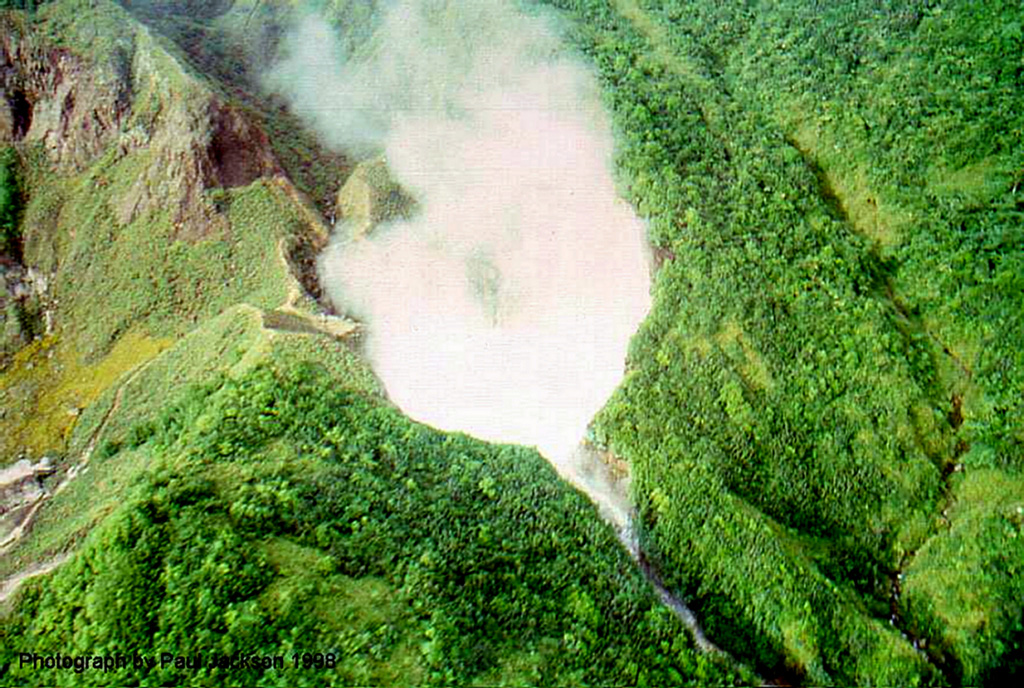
(504, 307)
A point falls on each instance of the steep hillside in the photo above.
(149, 205)
(228, 478)
(280, 515)
(825, 399)
(138, 204)
(823, 413)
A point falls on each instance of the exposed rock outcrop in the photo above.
(25, 307)
(59, 99)
(21, 487)
(129, 98)
(6, 117)
(372, 196)
(191, 150)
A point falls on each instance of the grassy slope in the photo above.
(129, 286)
(795, 398)
(128, 292)
(226, 346)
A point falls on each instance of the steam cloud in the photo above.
(504, 307)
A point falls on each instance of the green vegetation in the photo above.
(837, 321)
(227, 346)
(17, 317)
(823, 413)
(281, 514)
(10, 203)
(230, 344)
(137, 280)
(45, 387)
(132, 243)
(144, 272)
(20, 4)
(955, 590)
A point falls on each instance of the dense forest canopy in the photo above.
(822, 414)
(835, 346)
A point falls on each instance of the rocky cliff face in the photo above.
(153, 201)
(71, 105)
(84, 87)
(21, 487)
(125, 97)
(191, 150)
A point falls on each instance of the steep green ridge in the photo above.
(241, 485)
(824, 408)
(836, 328)
(280, 514)
(149, 208)
(227, 346)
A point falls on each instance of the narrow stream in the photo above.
(608, 488)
